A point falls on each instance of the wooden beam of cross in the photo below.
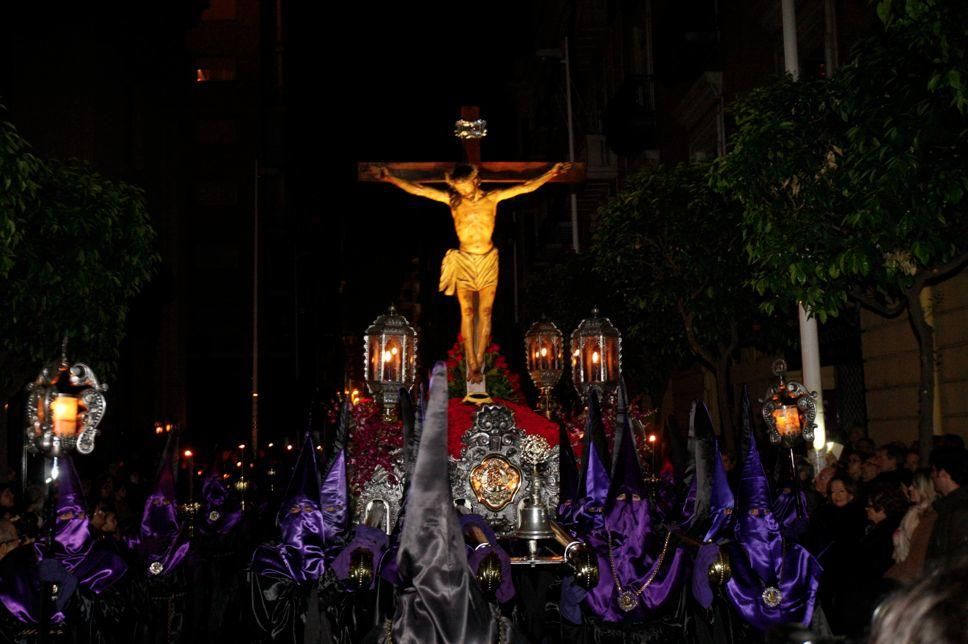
(488, 171)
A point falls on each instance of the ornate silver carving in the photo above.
(381, 488)
(77, 380)
(494, 434)
(787, 394)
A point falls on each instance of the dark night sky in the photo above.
(386, 82)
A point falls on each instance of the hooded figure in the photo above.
(334, 492)
(639, 563)
(96, 565)
(285, 575)
(713, 505)
(163, 541)
(439, 600)
(593, 483)
(567, 476)
(220, 511)
(773, 582)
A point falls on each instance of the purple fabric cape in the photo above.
(759, 558)
(163, 541)
(220, 511)
(299, 555)
(635, 547)
(96, 565)
(334, 496)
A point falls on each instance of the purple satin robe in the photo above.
(635, 548)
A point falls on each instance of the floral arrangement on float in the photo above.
(501, 382)
(374, 442)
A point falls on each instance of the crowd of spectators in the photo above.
(881, 521)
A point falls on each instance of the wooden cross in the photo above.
(488, 171)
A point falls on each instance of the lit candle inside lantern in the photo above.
(787, 420)
(392, 361)
(64, 413)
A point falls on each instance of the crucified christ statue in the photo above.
(471, 270)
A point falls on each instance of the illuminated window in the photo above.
(215, 70)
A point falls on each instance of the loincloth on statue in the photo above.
(470, 271)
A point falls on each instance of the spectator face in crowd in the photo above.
(921, 490)
(8, 538)
(822, 482)
(98, 517)
(854, 464)
(840, 493)
(110, 523)
(869, 470)
(886, 501)
(944, 482)
(727, 461)
(865, 446)
(107, 488)
(912, 461)
(7, 498)
(888, 458)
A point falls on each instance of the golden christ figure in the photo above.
(471, 270)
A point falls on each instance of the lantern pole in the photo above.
(809, 337)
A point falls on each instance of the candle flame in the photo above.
(595, 357)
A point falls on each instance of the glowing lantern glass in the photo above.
(596, 356)
(65, 404)
(789, 409)
(390, 354)
(544, 350)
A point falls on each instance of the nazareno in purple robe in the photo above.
(96, 565)
(761, 559)
(629, 539)
(587, 512)
(162, 542)
(219, 512)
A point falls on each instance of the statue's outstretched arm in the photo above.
(532, 184)
(414, 188)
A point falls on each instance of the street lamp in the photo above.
(544, 350)
(390, 354)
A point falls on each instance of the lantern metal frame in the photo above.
(607, 335)
(787, 394)
(545, 370)
(390, 325)
(56, 380)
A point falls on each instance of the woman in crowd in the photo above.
(912, 536)
(835, 531)
(886, 505)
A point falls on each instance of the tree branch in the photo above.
(938, 273)
(889, 310)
